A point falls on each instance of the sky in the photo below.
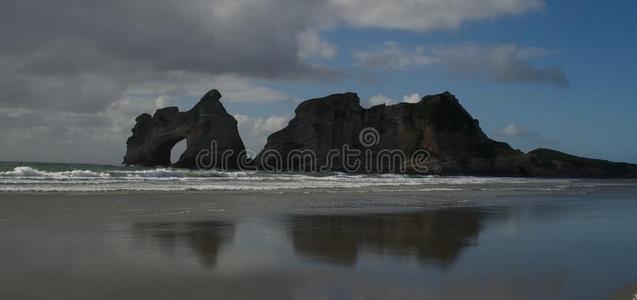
(536, 73)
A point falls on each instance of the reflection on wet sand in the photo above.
(510, 248)
(203, 238)
(434, 236)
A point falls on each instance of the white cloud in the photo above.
(515, 131)
(380, 99)
(413, 98)
(501, 63)
(312, 46)
(392, 55)
(162, 101)
(173, 89)
(100, 137)
(238, 89)
(254, 131)
(34, 135)
(426, 15)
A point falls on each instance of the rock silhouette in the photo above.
(334, 133)
(207, 122)
(452, 139)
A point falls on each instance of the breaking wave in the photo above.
(90, 178)
(24, 171)
(29, 172)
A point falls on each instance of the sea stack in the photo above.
(206, 127)
(437, 125)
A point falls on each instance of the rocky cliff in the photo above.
(154, 136)
(551, 163)
(435, 135)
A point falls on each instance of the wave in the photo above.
(30, 172)
(83, 178)
(24, 171)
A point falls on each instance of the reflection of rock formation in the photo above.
(436, 236)
(203, 238)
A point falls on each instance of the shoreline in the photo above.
(373, 244)
(80, 208)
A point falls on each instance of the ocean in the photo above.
(79, 231)
(60, 177)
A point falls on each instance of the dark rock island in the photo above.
(436, 136)
(438, 124)
(154, 136)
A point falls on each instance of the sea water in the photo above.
(55, 177)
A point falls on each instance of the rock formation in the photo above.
(451, 138)
(551, 163)
(207, 122)
(435, 135)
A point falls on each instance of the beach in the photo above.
(479, 239)
(318, 150)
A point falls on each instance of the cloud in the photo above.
(380, 99)
(36, 135)
(501, 63)
(85, 68)
(242, 90)
(33, 134)
(426, 15)
(392, 55)
(162, 101)
(255, 130)
(84, 55)
(81, 54)
(185, 86)
(312, 46)
(413, 98)
(515, 131)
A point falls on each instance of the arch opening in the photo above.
(177, 150)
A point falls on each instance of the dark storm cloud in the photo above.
(78, 55)
(81, 55)
(202, 36)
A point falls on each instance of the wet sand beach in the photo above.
(308, 244)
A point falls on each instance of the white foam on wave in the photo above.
(30, 179)
(24, 171)
(30, 172)
(177, 173)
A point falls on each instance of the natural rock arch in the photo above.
(206, 123)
